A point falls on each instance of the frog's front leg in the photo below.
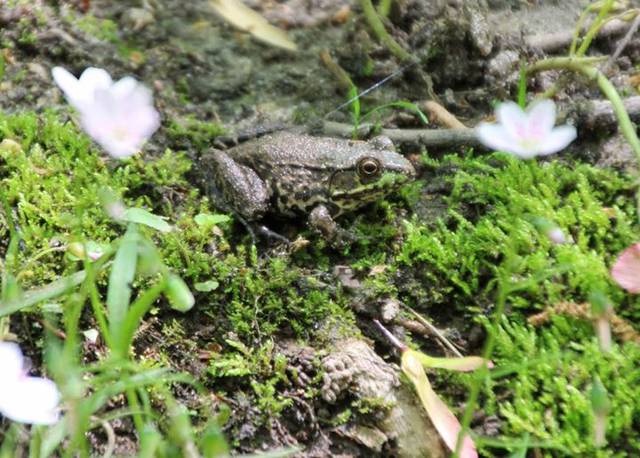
(240, 186)
(320, 219)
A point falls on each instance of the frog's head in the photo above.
(374, 170)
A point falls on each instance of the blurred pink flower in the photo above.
(22, 398)
(526, 134)
(119, 116)
(626, 269)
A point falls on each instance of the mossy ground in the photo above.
(439, 246)
(445, 267)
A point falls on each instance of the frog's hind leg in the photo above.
(240, 187)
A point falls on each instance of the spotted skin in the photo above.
(292, 174)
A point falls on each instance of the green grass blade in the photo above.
(121, 277)
(141, 216)
(53, 289)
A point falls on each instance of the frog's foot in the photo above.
(272, 235)
(320, 219)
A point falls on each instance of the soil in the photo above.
(202, 68)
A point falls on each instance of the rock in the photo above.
(355, 369)
(137, 18)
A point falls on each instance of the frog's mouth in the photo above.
(347, 186)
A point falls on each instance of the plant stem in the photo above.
(595, 28)
(378, 28)
(567, 63)
(483, 371)
(384, 7)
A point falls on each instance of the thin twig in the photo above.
(425, 137)
(556, 41)
(622, 44)
(436, 332)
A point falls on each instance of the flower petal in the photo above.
(497, 137)
(77, 96)
(65, 80)
(132, 91)
(494, 136)
(541, 118)
(462, 364)
(80, 92)
(95, 78)
(626, 270)
(11, 362)
(558, 139)
(33, 400)
(442, 418)
(513, 119)
(118, 116)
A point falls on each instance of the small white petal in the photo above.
(95, 78)
(11, 364)
(73, 91)
(513, 118)
(130, 90)
(541, 118)
(119, 116)
(495, 136)
(559, 138)
(80, 92)
(32, 400)
(65, 80)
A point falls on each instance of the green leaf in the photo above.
(400, 104)
(121, 277)
(178, 293)
(34, 296)
(141, 216)
(207, 220)
(206, 286)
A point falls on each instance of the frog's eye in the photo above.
(369, 167)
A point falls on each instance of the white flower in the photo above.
(22, 398)
(119, 116)
(527, 133)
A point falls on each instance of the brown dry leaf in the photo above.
(378, 269)
(634, 80)
(246, 19)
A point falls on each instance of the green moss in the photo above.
(546, 378)
(445, 266)
(191, 133)
(262, 369)
(102, 29)
(490, 210)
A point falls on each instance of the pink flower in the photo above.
(119, 116)
(22, 398)
(626, 269)
(526, 134)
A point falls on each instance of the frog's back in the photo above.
(285, 149)
(301, 171)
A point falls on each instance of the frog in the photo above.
(297, 175)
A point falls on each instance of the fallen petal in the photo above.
(442, 418)
(626, 270)
(464, 364)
